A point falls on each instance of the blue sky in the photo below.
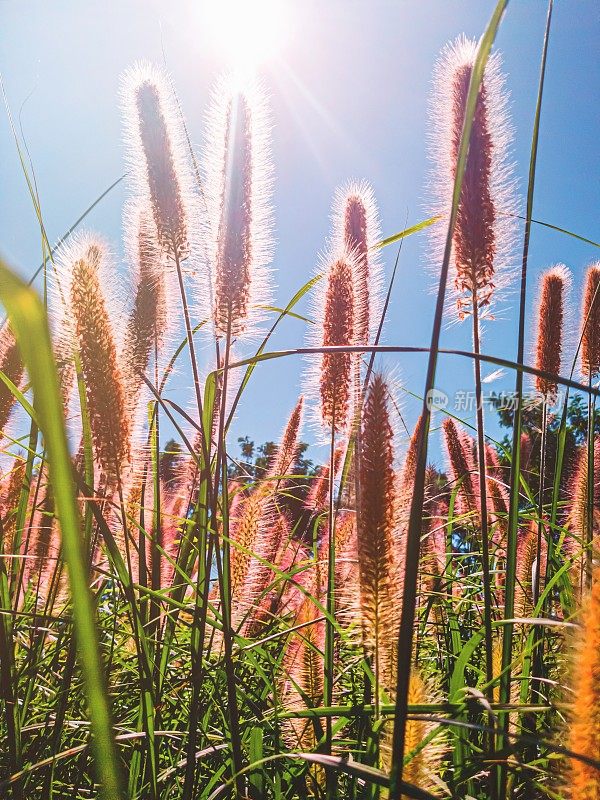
(349, 101)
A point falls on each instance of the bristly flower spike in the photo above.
(376, 521)
(331, 374)
(237, 169)
(463, 468)
(84, 269)
(152, 312)
(157, 160)
(11, 365)
(590, 323)
(483, 233)
(550, 325)
(357, 230)
(584, 727)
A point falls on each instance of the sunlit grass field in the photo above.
(182, 620)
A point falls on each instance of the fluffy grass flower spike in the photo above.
(157, 161)
(483, 234)
(376, 520)
(84, 270)
(12, 366)
(331, 374)
(590, 323)
(584, 705)
(356, 228)
(237, 171)
(550, 325)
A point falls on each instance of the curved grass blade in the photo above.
(396, 237)
(30, 326)
(405, 638)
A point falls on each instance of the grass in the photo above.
(167, 651)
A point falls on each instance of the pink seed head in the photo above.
(238, 187)
(551, 313)
(157, 159)
(482, 236)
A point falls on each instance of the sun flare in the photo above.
(246, 33)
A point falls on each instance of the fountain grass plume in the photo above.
(498, 496)
(330, 376)
(481, 259)
(578, 518)
(462, 468)
(258, 527)
(85, 278)
(590, 323)
(303, 664)
(583, 735)
(356, 229)
(11, 485)
(376, 520)
(152, 285)
(153, 312)
(316, 498)
(554, 284)
(406, 475)
(286, 454)
(425, 757)
(238, 181)
(11, 365)
(158, 164)
(526, 564)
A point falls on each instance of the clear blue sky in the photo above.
(350, 103)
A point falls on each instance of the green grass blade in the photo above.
(396, 237)
(405, 640)
(30, 326)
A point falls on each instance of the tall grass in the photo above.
(176, 623)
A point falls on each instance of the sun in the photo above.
(246, 33)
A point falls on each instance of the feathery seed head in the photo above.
(482, 234)
(584, 711)
(406, 476)
(461, 458)
(357, 230)
(287, 451)
(590, 323)
(316, 498)
(577, 512)
(12, 366)
(238, 181)
(304, 666)
(149, 318)
(376, 519)
(156, 155)
(334, 371)
(550, 319)
(84, 270)
(526, 567)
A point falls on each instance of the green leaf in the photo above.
(420, 226)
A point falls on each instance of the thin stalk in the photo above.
(7, 672)
(541, 492)
(483, 513)
(329, 631)
(156, 542)
(225, 585)
(485, 548)
(589, 543)
(537, 649)
(190, 340)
